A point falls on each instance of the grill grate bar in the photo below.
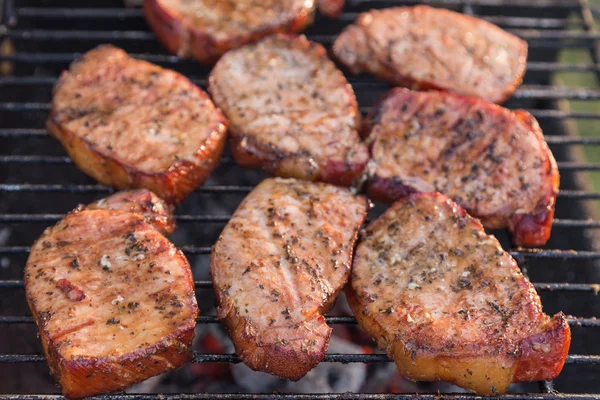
(544, 287)
(207, 218)
(8, 187)
(56, 217)
(232, 358)
(120, 13)
(64, 12)
(551, 114)
(43, 159)
(211, 319)
(22, 133)
(26, 187)
(538, 38)
(565, 140)
(538, 66)
(524, 92)
(107, 12)
(517, 254)
(554, 140)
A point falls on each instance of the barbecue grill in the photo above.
(39, 184)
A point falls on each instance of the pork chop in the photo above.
(279, 265)
(130, 124)
(447, 303)
(492, 161)
(430, 48)
(291, 111)
(207, 29)
(142, 202)
(113, 300)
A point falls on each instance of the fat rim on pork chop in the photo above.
(113, 299)
(445, 302)
(291, 111)
(278, 266)
(130, 124)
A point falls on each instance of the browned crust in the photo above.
(283, 362)
(532, 229)
(387, 72)
(173, 185)
(84, 376)
(155, 210)
(250, 153)
(186, 40)
(532, 363)
(540, 356)
(543, 355)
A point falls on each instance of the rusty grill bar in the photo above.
(542, 33)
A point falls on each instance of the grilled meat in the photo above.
(207, 29)
(492, 161)
(429, 48)
(331, 8)
(278, 266)
(447, 303)
(291, 111)
(129, 123)
(142, 202)
(113, 300)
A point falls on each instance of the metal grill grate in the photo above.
(38, 183)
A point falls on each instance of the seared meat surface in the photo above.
(142, 202)
(492, 161)
(129, 124)
(207, 29)
(113, 300)
(291, 111)
(447, 303)
(277, 268)
(424, 47)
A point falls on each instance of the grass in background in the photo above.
(590, 127)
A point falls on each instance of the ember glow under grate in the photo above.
(39, 184)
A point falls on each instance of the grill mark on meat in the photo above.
(72, 329)
(292, 112)
(285, 268)
(129, 123)
(446, 302)
(278, 266)
(98, 334)
(492, 161)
